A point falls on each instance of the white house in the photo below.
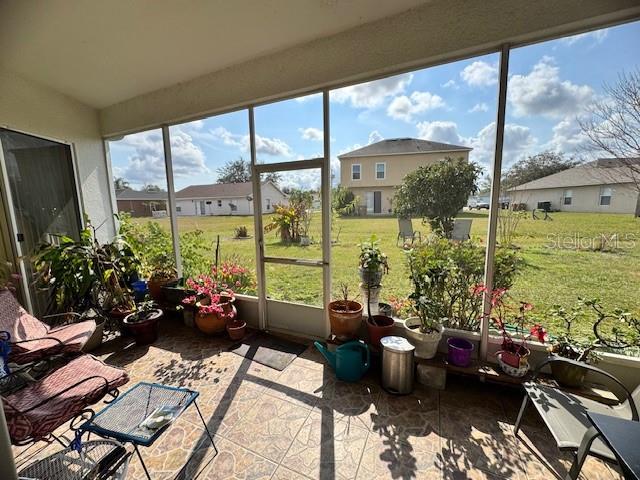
(605, 185)
(226, 199)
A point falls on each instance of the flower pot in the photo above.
(379, 326)
(372, 294)
(345, 317)
(118, 314)
(155, 288)
(140, 290)
(372, 278)
(174, 292)
(515, 355)
(426, 343)
(517, 372)
(568, 375)
(144, 330)
(385, 309)
(236, 329)
(95, 340)
(459, 351)
(213, 323)
(189, 315)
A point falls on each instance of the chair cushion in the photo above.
(565, 416)
(66, 394)
(17, 321)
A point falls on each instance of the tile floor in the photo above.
(303, 423)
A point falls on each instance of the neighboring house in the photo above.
(373, 172)
(226, 199)
(141, 203)
(604, 185)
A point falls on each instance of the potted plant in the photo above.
(236, 327)
(189, 310)
(378, 326)
(163, 272)
(213, 312)
(513, 356)
(305, 224)
(345, 316)
(143, 323)
(372, 264)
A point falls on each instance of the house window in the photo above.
(605, 196)
(178, 209)
(568, 197)
(355, 171)
(219, 203)
(268, 204)
(380, 171)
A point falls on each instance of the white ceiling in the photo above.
(103, 52)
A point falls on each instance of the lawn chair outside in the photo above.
(461, 229)
(406, 231)
(564, 413)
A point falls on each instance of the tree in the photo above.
(437, 193)
(120, 183)
(239, 171)
(153, 188)
(612, 125)
(536, 166)
(343, 201)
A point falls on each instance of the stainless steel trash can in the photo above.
(397, 365)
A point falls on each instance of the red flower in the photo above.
(539, 332)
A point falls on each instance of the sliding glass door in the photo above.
(40, 199)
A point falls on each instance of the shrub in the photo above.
(437, 193)
(293, 220)
(446, 275)
(241, 232)
(343, 201)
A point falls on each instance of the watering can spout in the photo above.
(330, 356)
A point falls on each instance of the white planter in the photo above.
(426, 343)
(305, 241)
(373, 294)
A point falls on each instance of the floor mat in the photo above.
(268, 350)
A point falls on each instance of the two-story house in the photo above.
(373, 172)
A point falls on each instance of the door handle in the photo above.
(20, 237)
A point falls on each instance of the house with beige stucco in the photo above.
(606, 185)
(373, 172)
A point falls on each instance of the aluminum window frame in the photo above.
(359, 165)
(384, 170)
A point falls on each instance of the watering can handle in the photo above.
(368, 361)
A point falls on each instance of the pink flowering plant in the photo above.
(513, 327)
(231, 275)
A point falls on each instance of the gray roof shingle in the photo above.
(604, 171)
(128, 194)
(395, 146)
(215, 190)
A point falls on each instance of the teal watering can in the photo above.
(350, 361)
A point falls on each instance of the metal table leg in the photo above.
(206, 428)
(142, 462)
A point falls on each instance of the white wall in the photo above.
(270, 197)
(31, 108)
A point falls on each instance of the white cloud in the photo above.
(405, 108)
(480, 74)
(146, 164)
(311, 133)
(306, 98)
(451, 84)
(375, 136)
(518, 140)
(268, 146)
(567, 137)
(541, 92)
(597, 36)
(479, 107)
(371, 94)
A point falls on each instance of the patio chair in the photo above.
(32, 339)
(36, 410)
(406, 231)
(564, 413)
(461, 229)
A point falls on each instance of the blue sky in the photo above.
(550, 84)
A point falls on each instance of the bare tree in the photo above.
(612, 125)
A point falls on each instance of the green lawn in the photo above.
(552, 274)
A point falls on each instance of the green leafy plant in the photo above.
(437, 193)
(371, 257)
(293, 220)
(343, 201)
(566, 344)
(445, 276)
(241, 232)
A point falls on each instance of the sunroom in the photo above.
(271, 152)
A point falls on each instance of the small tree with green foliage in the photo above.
(437, 193)
(344, 201)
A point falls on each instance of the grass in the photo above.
(560, 265)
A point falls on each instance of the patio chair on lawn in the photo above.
(564, 413)
(32, 339)
(461, 229)
(36, 410)
(406, 231)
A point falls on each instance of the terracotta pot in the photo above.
(517, 356)
(144, 331)
(379, 326)
(426, 343)
(118, 316)
(155, 288)
(236, 329)
(345, 318)
(212, 323)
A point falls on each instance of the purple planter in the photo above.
(459, 351)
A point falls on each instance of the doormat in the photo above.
(268, 350)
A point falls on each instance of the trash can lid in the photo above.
(397, 344)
